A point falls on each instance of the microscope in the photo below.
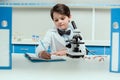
(74, 44)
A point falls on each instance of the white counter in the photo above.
(71, 69)
(87, 42)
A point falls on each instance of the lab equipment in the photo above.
(74, 44)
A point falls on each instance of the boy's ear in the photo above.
(70, 16)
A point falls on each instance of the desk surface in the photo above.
(71, 69)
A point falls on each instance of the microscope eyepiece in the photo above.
(73, 24)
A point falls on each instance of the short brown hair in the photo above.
(60, 8)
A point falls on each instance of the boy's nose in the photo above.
(60, 21)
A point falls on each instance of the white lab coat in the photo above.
(56, 42)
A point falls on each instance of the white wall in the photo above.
(94, 23)
(31, 21)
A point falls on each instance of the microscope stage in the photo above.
(75, 54)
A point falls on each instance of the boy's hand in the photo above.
(60, 53)
(45, 55)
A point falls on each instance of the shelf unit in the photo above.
(5, 40)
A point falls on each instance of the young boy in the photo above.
(55, 38)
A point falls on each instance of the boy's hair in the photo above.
(61, 9)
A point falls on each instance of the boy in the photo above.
(55, 38)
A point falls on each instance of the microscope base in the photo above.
(75, 55)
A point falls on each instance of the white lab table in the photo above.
(71, 69)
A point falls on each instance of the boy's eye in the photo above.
(62, 18)
(56, 20)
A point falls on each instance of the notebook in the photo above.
(34, 58)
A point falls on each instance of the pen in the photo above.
(43, 45)
(47, 50)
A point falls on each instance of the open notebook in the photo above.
(34, 58)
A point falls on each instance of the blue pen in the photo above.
(47, 50)
(43, 45)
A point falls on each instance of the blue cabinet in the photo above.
(24, 48)
(98, 50)
(5, 37)
(30, 48)
(115, 40)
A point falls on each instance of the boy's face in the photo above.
(61, 21)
